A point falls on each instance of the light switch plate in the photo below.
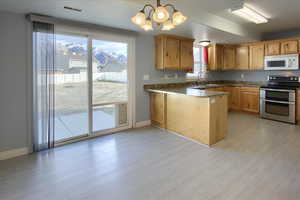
(146, 77)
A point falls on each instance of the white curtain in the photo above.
(43, 85)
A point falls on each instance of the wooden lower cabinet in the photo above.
(242, 98)
(158, 109)
(249, 98)
(235, 98)
(203, 119)
(298, 106)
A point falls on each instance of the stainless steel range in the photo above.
(278, 98)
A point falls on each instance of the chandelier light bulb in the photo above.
(168, 25)
(161, 14)
(178, 18)
(139, 19)
(148, 25)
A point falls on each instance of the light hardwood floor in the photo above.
(259, 160)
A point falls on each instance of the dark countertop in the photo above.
(198, 89)
(188, 92)
(205, 84)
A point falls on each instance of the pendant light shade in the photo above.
(161, 14)
(178, 18)
(139, 19)
(148, 25)
(168, 25)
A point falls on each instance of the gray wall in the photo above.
(282, 34)
(13, 81)
(145, 65)
(248, 75)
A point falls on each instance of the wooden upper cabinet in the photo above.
(249, 99)
(242, 57)
(272, 48)
(289, 47)
(256, 57)
(187, 57)
(229, 57)
(215, 57)
(159, 53)
(174, 52)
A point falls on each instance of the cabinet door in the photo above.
(256, 56)
(298, 106)
(157, 109)
(289, 47)
(272, 49)
(215, 57)
(172, 50)
(242, 57)
(229, 90)
(159, 52)
(211, 58)
(229, 57)
(235, 98)
(250, 100)
(187, 57)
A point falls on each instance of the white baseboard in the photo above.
(13, 153)
(142, 124)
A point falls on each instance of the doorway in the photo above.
(93, 85)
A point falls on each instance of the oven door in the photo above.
(278, 110)
(278, 94)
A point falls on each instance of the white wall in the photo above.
(13, 81)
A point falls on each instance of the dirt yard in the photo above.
(73, 97)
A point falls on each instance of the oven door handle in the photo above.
(282, 102)
(278, 90)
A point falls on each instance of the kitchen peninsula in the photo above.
(197, 114)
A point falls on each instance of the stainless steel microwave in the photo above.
(282, 62)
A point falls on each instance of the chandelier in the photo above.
(159, 15)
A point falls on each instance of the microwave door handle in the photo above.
(282, 102)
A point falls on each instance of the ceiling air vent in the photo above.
(72, 9)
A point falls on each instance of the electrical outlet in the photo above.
(242, 76)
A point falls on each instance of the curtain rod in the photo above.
(59, 21)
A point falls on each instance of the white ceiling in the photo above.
(208, 19)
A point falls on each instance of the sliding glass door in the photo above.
(91, 85)
(109, 84)
(71, 87)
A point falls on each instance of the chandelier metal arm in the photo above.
(147, 5)
(172, 6)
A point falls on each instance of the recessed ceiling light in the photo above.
(72, 9)
(249, 14)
